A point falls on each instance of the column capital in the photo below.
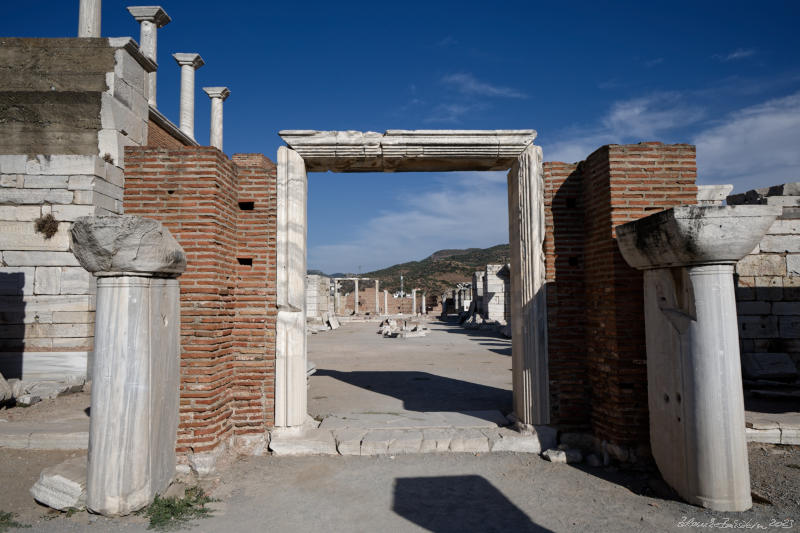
(190, 59)
(217, 92)
(154, 14)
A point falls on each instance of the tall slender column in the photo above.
(414, 302)
(355, 297)
(290, 338)
(217, 95)
(386, 302)
(189, 64)
(136, 370)
(377, 302)
(337, 309)
(151, 18)
(528, 300)
(694, 379)
(90, 18)
(424, 309)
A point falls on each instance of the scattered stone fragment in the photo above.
(563, 456)
(6, 392)
(26, 400)
(62, 486)
(333, 322)
(17, 387)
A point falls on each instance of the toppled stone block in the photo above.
(26, 400)
(563, 456)
(333, 322)
(62, 486)
(126, 244)
(6, 391)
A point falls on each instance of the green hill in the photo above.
(441, 270)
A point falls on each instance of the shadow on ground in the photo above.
(497, 342)
(421, 391)
(448, 504)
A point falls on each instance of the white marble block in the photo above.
(694, 380)
(136, 363)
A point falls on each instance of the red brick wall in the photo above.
(159, 137)
(597, 358)
(569, 393)
(228, 308)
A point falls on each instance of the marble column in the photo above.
(414, 302)
(290, 343)
(136, 369)
(694, 379)
(217, 95)
(150, 18)
(424, 309)
(90, 18)
(377, 301)
(189, 64)
(355, 297)
(337, 310)
(386, 302)
(528, 301)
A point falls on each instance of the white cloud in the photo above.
(754, 147)
(466, 83)
(467, 209)
(449, 113)
(633, 120)
(739, 53)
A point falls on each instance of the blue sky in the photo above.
(722, 75)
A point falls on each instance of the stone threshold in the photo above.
(63, 435)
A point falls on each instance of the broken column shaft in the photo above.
(694, 378)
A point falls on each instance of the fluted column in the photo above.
(217, 95)
(189, 64)
(90, 18)
(528, 300)
(150, 18)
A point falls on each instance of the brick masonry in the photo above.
(595, 313)
(223, 213)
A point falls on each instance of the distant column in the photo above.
(189, 64)
(377, 301)
(217, 95)
(386, 302)
(89, 18)
(413, 301)
(355, 300)
(337, 309)
(424, 309)
(150, 18)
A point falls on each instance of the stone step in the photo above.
(416, 420)
(63, 435)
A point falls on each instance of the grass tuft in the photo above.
(7, 521)
(170, 514)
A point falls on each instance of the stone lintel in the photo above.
(694, 235)
(132, 47)
(408, 150)
(191, 59)
(217, 92)
(154, 14)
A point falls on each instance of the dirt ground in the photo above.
(67, 406)
(426, 492)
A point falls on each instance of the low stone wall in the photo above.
(768, 283)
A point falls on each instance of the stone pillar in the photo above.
(189, 64)
(136, 370)
(90, 17)
(337, 309)
(386, 302)
(217, 95)
(414, 302)
(377, 302)
(528, 300)
(151, 18)
(424, 309)
(694, 378)
(290, 341)
(355, 297)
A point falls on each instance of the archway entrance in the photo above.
(415, 151)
